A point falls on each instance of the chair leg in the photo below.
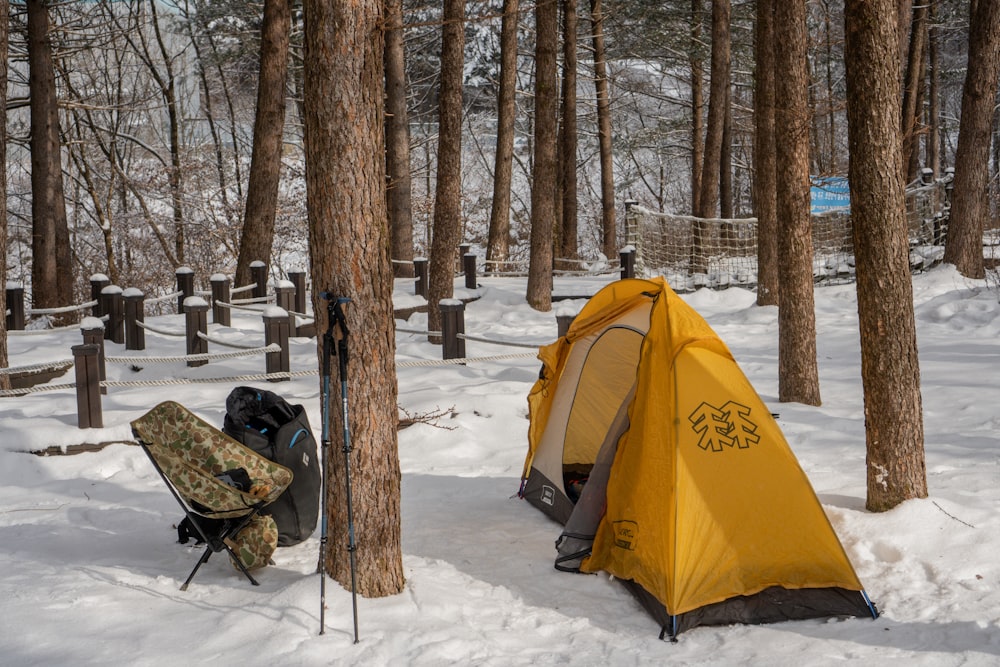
(241, 566)
(204, 559)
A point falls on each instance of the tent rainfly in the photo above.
(668, 471)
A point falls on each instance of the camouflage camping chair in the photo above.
(221, 485)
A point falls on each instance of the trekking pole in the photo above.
(325, 446)
(338, 315)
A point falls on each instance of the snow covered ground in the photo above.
(89, 566)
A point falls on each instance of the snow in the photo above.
(89, 566)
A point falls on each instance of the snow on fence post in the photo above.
(196, 322)
(626, 257)
(276, 331)
(421, 273)
(220, 295)
(469, 269)
(284, 297)
(258, 273)
(185, 285)
(92, 330)
(98, 282)
(452, 324)
(135, 314)
(15, 307)
(88, 386)
(298, 279)
(113, 305)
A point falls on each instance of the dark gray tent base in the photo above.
(772, 605)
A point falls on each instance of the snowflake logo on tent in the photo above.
(728, 426)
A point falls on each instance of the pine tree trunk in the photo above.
(890, 370)
(4, 26)
(349, 241)
(765, 167)
(544, 176)
(912, 93)
(51, 271)
(448, 195)
(970, 205)
(498, 243)
(608, 228)
(798, 376)
(697, 107)
(268, 135)
(568, 149)
(397, 137)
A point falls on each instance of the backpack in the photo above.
(269, 425)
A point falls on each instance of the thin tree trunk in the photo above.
(765, 166)
(890, 370)
(268, 135)
(349, 242)
(932, 144)
(544, 175)
(397, 137)
(498, 243)
(568, 146)
(697, 107)
(448, 194)
(608, 224)
(4, 27)
(51, 271)
(912, 89)
(970, 204)
(798, 375)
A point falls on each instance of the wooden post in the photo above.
(284, 298)
(196, 321)
(15, 307)
(220, 294)
(276, 331)
(185, 285)
(298, 279)
(627, 258)
(422, 272)
(92, 330)
(113, 304)
(258, 273)
(469, 269)
(135, 314)
(452, 324)
(88, 386)
(564, 320)
(98, 282)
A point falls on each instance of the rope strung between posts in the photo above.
(32, 390)
(245, 288)
(165, 297)
(463, 360)
(35, 332)
(506, 343)
(162, 332)
(258, 299)
(273, 347)
(64, 309)
(36, 367)
(233, 306)
(216, 341)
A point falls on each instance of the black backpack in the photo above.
(269, 425)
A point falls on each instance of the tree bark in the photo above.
(544, 175)
(697, 107)
(268, 134)
(568, 146)
(448, 194)
(890, 370)
(798, 376)
(349, 242)
(913, 93)
(765, 182)
(970, 204)
(51, 270)
(498, 243)
(397, 137)
(608, 224)
(4, 27)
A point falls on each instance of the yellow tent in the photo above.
(649, 443)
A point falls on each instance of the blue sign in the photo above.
(829, 192)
